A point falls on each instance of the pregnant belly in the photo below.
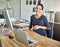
(41, 32)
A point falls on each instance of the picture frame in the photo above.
(34, 2)
(39, 1)
(30, 2)
(26, 2)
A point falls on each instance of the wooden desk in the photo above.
(43, 41)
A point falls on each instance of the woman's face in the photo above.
(38, 9)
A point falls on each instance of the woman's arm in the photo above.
(41, 27)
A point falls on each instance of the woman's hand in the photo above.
(36, 27)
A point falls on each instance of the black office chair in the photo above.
(50, 32)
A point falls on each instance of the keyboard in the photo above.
(16, 27)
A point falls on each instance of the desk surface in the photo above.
(43, 41)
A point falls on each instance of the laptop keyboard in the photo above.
(16, 27)
(30, 42)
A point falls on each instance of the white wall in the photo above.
(15, 5)
(26, 10)
(16, 8)
(55, 5)
(2, 5)
(51, 5)
(46, 4)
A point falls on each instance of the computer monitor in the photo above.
(7, 18)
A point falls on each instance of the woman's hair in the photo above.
(40, 5)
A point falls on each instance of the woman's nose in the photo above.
(37, 9)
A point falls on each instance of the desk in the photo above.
(43, 41)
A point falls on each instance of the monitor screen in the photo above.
(7, 18)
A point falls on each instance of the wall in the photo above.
(23, 9)
(15, 5)
(55, 5)
(2, 4)
(46, 4)
(16, 8)
(26, 10)
(52, 5)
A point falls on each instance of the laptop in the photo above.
(23, 37)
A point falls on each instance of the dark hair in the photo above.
(40, 5)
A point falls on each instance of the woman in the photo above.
(39, 22)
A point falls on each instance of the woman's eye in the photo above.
(40, 9)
